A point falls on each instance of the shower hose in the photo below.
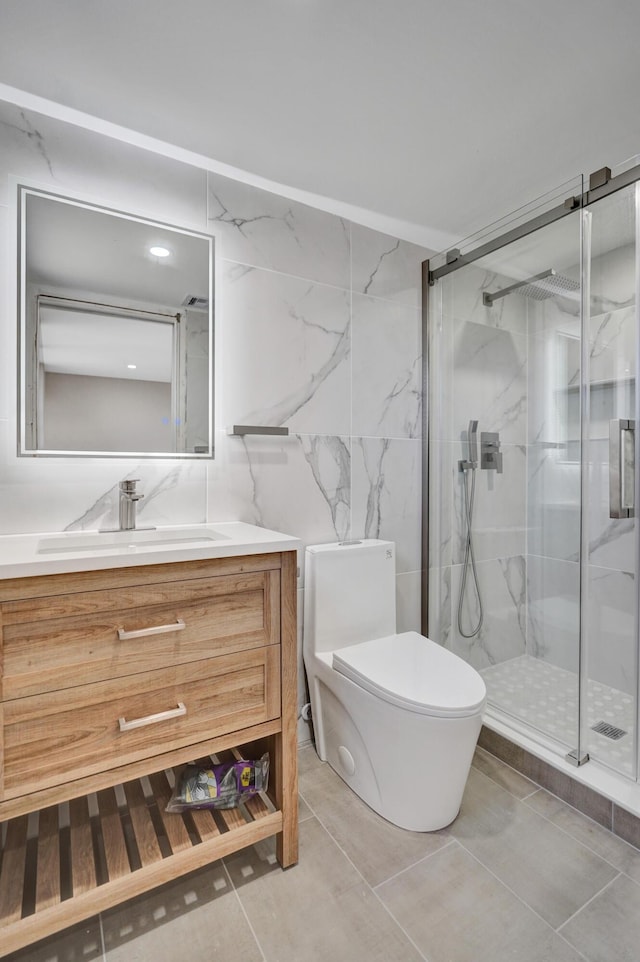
(469, 558)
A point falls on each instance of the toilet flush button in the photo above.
(346, 760)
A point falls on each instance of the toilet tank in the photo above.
(350, 593)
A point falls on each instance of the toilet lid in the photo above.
(415, 673)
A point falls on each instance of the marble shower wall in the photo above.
(318, 328)
(481, 354)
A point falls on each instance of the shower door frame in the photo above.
(601, 185)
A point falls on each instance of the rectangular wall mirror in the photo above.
(115, 332)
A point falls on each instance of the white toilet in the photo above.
(395, 715)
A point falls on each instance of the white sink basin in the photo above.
(128, 540)
(24, 555)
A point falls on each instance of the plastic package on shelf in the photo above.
(207, 785)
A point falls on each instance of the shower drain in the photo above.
(609, 731)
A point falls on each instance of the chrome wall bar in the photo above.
(239, 430)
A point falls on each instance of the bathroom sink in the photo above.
(129, 540)
(24, 555)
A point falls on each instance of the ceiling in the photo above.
(444, 117)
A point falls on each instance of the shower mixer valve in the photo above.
(490, 454)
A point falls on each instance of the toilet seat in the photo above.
(415, 673)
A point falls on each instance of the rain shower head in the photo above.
(539, 287)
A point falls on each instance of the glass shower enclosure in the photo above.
(532, 470)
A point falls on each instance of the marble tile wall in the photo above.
(318, 329)
(481, 354)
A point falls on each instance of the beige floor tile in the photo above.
(308, 760)
(608, 929)
(303, 810)
(80, 943)
(377, 848)
(196, 917)
(457, 911)
(502, 774)
(604, 843)
(318, 911)
(550, 871)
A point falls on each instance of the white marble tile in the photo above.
(554, 621)
(443, 456)
(383, 266)
(610, 631)
(554, 379)
(99, 168)
(611, 541)
(409, 601)
(499, 519)
(262, 229)
(467, 286)
(440, 334)
(386, 369)
(57, 494)
(489, 382)
(553, 503)
(299, 485)
(502, 585)
(285, 352)
(557, 315)
(440, 611)
(612, 346)
(386, 483)
(553, 615)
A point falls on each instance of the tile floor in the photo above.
(519, 875)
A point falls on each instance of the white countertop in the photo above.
(27, 555)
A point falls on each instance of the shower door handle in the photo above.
(622, 468)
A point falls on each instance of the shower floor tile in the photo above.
(545, 697)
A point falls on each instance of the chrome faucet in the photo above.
(127, 504)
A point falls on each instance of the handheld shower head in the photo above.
(472, 443)
(471, 462)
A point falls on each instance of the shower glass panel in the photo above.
(609, 576)
(505, 351)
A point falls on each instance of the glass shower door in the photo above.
(610, 551)
(505, 352)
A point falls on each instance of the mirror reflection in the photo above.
(115, 332)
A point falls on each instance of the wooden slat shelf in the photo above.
(93, 852)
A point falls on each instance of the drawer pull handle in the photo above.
(177, 625)
(127, 726)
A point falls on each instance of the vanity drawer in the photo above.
(63, 735)
(113, 637)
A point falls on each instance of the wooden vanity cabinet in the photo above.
(110, 681)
